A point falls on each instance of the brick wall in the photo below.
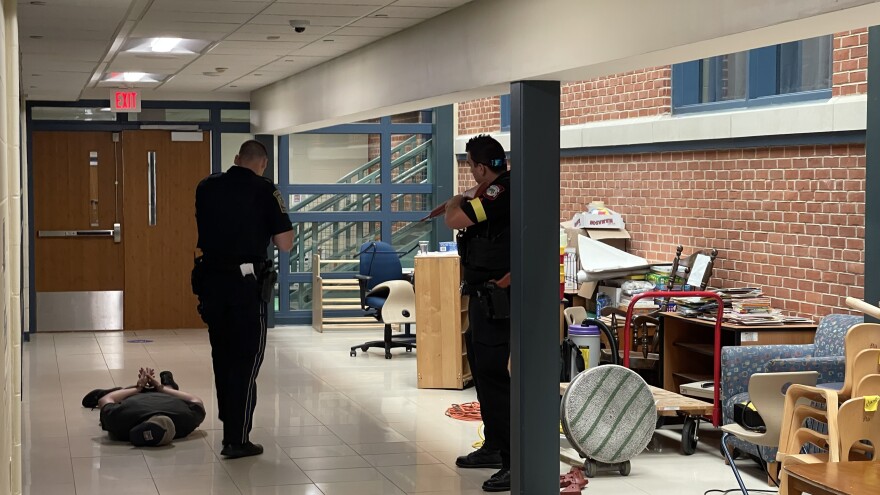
(850, 63)
(477, 116)
(640, 93)
(788, 219)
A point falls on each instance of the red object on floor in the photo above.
(469, 411)
(573, 482)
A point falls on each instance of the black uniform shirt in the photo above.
(237, 213)
(120, 417)
(489, 237)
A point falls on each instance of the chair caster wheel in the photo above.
(388, 356)
(364, 348)
(409, 349)
(353, 353)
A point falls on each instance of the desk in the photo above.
(834, 478)
(688, 345)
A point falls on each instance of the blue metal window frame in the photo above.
(504, 103)
(214, 125)
(385, 129)
(761, 86)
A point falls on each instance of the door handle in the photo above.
(115, 233)
(151, 188)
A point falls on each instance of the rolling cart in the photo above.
(672, 403)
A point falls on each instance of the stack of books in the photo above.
(752, 306)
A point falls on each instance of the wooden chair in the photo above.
(860, 348)
(850, 428)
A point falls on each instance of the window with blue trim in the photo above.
(790, 72)
(505, 112)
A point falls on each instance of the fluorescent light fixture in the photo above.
(163, 45)
(132, 76)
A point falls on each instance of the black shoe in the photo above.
(480, 458)
(232, 451)
(167, 379)
(499, 482)
(91, 399)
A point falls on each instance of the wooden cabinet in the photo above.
(689, 345)
(441, 320)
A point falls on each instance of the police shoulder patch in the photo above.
(493, 191)
(280, 200)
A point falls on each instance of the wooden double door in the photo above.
(114, 218)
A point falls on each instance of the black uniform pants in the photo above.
(236, 317)
(488, 351)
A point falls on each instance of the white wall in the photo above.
(230, 142)
(477, 49)
(10, 266)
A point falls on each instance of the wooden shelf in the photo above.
(441, 318)
(692, 377)
(704, 349)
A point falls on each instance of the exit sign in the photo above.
(126, 101)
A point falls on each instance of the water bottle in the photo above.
(602, 300)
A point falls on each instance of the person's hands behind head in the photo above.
(156, 384)
(143, 380)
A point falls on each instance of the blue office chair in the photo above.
(387, 295)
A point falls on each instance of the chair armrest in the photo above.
(738, 363)
(830, 368)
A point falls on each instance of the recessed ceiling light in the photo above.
(273, 37)
(35, 37)
(132, 77)
(163, 45)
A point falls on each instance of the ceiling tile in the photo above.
(340, 2)
(249, 47)
(411, 12)
(319, 9)
(162, 16)
(368, 31)
(218, 6)
(182, 29)
(386, 22)
(284, 20)
(81, 50)
(431, 3)
(142, 62)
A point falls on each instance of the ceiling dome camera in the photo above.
(299, 25)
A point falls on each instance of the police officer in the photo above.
(238, 212)
(484, 247)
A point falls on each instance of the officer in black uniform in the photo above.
(238, 212)
(484, 247)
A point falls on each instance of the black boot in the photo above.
(499, 482)
(91, 399)
(167, 379)
(480, 458)
(233, 451)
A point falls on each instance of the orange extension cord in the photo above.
(469, 411)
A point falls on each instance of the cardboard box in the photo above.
(586, 220)
(612, 292)
(615, 238)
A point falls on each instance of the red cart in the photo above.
(672, 403)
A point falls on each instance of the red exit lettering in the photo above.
(126, 100)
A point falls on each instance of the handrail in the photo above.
(396, 163)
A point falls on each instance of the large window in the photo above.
(796, 71)
(350, 184)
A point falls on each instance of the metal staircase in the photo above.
(410, 164)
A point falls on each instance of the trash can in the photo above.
(588, 341)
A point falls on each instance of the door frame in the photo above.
(214, 125)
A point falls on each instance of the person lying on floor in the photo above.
(149, 414)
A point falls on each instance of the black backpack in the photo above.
(570, 351)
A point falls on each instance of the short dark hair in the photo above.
(486, 150)
(252, 149)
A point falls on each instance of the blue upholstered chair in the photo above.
(825, 355)
(387, 295)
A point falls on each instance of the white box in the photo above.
(696, 389)
(586, 220)
(612, 292)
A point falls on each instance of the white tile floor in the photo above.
(330, 424)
